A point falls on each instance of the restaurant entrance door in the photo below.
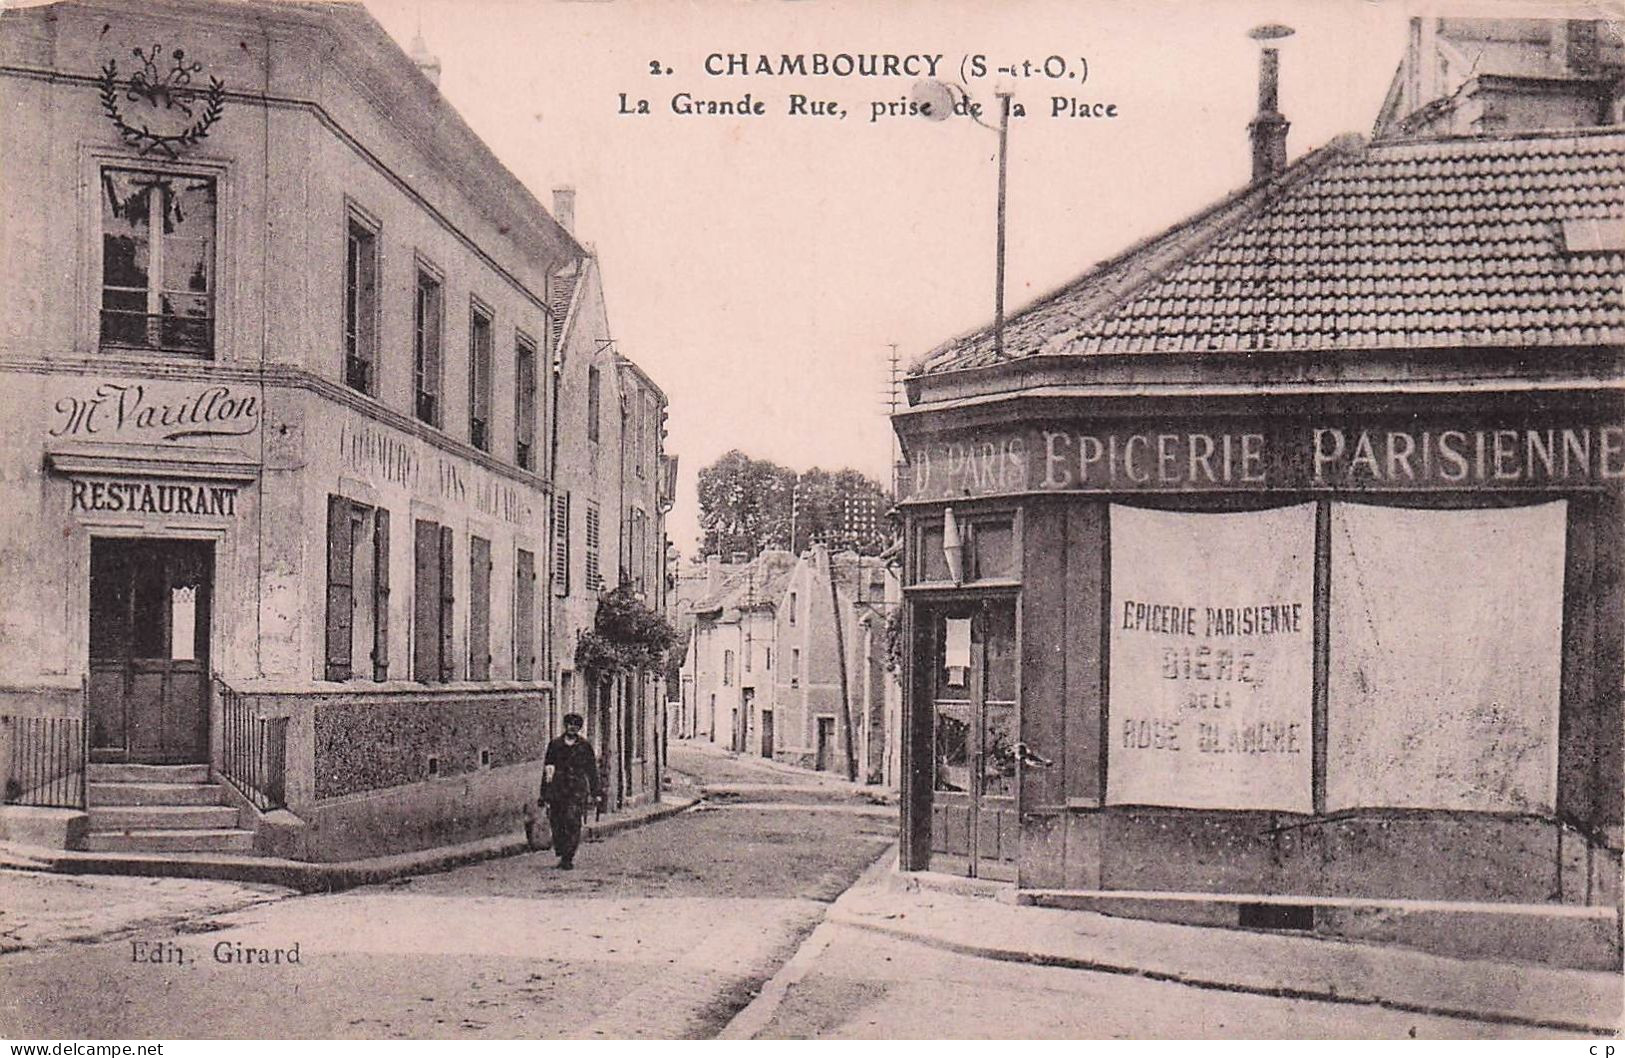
(150, 602)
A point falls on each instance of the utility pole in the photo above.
(998, 282)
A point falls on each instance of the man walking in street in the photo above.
(569, 786)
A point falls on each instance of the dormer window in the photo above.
(158, 236)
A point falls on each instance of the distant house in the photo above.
(832, 687)
(1467, 76)
(612, 492)
(732, 653)
(788, 660)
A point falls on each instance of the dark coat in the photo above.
(575, 774)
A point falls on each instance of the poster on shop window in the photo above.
(1211, 666)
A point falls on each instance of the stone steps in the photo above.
(162, 817)
(151, 793)
(165, 773)
(213, 840)
(158, 809)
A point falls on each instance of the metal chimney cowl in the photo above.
(1269, 127)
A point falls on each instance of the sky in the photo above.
(760, 267)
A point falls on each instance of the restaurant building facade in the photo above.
(276, 481)
(1269, 573)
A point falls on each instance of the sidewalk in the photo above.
(315, 877)
(979, 919)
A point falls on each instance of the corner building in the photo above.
(276, 482)
(1271, 576)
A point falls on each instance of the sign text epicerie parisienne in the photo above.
(1330, 455)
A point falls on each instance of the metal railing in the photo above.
(46, 764)
(255, 754)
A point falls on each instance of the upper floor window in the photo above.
(524, 402)
(158, 236)
(428, 310)
(360, 307)
(479, 377)
(593, 387)
(638, 433)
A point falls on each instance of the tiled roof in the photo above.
(758, 583)
(1430, 244)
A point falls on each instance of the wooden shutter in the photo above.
(340, 578)
(380, 595)
(524, 616)
(426, 602)
(479, 608)
(561, 544)
(448, 656)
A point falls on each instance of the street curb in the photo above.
(759, 1012)
(311, 877)
(837, 916)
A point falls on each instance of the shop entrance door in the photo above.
(767, 733)
(972, 687)
(826, 742)
(150, 602)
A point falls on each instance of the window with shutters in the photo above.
(524, 402)
(561, 544)
(433, 660)
(595, 581)
(361, 306)
(427, 313)
(640, 429)
(638, 545)
(593, 398)
(479, 608)
(479, 376)
(158, 267)
(357, 629)
(727, 668)
(524, 615)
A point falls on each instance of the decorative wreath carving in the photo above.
(171, 90)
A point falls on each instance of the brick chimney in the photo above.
(1268, 127)
(564, 208)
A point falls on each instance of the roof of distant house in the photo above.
(759, 583)
(1496, 241)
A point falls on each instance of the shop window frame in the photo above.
(970, 520)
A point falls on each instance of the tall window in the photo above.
(479, 377)
(639, 431)
(357, 591)
(792, 607)
(727, 668)
(479, 608)
(432, 657)
(593, 396)
(158, 234)
(524, 615)
(524, 402)
(427, 313)
(360, 307)
(595, 582)
(637, 548)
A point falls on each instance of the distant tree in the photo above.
(747, 504)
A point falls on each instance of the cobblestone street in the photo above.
(664, 931)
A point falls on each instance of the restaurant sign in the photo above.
(154, 412)
(147, 496)
(1333, 454)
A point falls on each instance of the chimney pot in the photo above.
(564, 208)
